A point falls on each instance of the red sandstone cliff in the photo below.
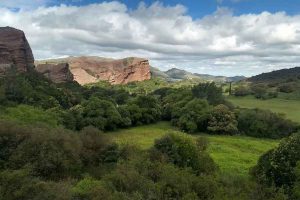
(14, 50)
(93, 69)
(58, 73)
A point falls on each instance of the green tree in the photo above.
(193, 116)
(222, 121)
(181, 150)
(210, 92)
(100, 113)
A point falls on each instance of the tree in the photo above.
(145, 110)
(100, 113)
(242, 91)
(259, 91)
(278, 166)
(222, 121)
(210, 92)
(193, 116)
(181, 150)
(264, 123)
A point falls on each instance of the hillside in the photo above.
(175, 74)
(277, 76)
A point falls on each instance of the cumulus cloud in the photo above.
(220, 43)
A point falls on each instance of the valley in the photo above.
(89, 128)
(233, 154)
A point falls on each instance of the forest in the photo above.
(55, 143)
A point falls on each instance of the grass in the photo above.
(233, 154)
(291, 108)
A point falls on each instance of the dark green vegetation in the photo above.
(53, 145)
(284, 84)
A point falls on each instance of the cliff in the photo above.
(93, 69)
(14, 50)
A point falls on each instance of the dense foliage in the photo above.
(264, 123)
(280, 166)
(52, 144)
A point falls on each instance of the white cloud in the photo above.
(217, 44)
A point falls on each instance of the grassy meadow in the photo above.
(291, 108)
(233, 154)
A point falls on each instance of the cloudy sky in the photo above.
(219, 37)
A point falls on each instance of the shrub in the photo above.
(30, 115)
(278, 166)
(287, 87)
(210, 92)
(19, 184)
(242, 91)
(181, 150)
(193, 116)
(259, 90)
(101, 114)
(89, 188)
(264, 123)
(222, 121)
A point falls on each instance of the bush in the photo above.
(101, 114)
(278, 166)
(259, 91)
(222, 121)
(264, 123)
(193, 116)
(89, 188)
(242, 91)
(19, 184)
(181, 150)
(287, 87)
(30, 115)
(210, 92)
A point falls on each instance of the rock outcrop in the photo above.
(93, 69)
(14, 50)
(58, 73)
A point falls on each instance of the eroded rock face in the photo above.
(14, 50)
(58, 73)
(93, 69)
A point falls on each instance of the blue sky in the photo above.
(219, 37)
(200, 8)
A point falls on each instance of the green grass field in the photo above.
(291, 108)
(233, 154)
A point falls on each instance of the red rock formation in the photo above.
(58, 73)
(93, 69)
(14, 50)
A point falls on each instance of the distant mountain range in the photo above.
(175, 74)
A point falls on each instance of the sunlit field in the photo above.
(291, 108)
(233, 154)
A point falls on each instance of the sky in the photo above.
(218, 37)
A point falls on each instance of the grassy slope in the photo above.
(235, 154)
(291, 108)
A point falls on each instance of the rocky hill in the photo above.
(91, 69)
(14, 50)
(58, 73)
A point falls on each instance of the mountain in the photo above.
(14, 50)
(91, 69)
(175, 74)
(277, 76)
